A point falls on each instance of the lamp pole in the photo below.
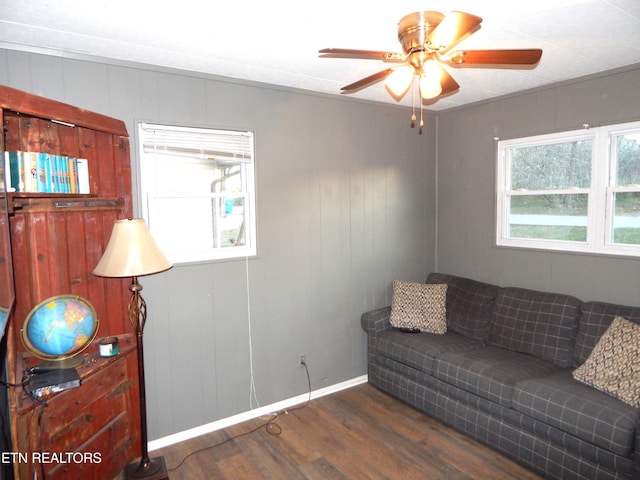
(147, 468)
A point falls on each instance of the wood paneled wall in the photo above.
(345, 201)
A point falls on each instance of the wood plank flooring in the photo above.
(358, 433)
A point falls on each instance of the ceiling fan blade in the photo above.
(448, 83)
(365, 82)
(494, 57)
(453, 29)
(365, 54)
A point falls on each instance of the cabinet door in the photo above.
(55, 254)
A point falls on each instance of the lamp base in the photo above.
(154, 470)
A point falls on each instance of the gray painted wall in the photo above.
(346, 203)
(466, 185)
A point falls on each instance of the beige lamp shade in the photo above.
(131, 252)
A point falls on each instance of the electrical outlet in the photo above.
(302, 359)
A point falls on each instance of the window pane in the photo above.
(552, 167)
(626, 219)
(551, 217)
(195, 175)
(182, 174)
(628, 159)
(220, 223)
(230, 223)
(198, 190)
(174, 229)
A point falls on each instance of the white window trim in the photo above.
(148, 194)
(600, 194)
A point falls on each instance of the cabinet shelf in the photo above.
(47, 202)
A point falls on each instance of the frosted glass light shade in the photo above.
(430, 86)
(399, 81)
(131, 252)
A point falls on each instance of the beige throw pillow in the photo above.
(419, 305)
(613, 366)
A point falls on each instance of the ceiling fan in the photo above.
(427, 40)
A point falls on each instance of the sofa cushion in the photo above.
(614, 364)
(562, 402)
(490, 372)
(418, 350)
(538, 323)
(594, 320)
(469, 305)
(418, 305)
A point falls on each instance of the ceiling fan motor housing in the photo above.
(414, 29)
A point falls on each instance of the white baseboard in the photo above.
(251, 414)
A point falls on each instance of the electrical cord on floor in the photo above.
(270, 426)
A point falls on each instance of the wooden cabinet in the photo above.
(56, 241)
(86, 432)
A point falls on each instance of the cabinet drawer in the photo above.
(70, 418)
(101, 456)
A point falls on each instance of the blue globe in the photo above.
(60, 327)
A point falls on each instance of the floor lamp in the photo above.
(132, 252)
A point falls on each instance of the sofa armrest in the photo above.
(376, 321)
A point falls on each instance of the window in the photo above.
(573, 191)
(198, 191)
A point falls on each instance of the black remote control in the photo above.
(409, 330)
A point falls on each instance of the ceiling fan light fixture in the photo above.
(432, 69)
(429, 87)
(399, 81)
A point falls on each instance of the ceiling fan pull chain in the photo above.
(413, 105)
(421, 120)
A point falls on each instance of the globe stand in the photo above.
(71, 362)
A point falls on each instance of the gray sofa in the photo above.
(502, 375)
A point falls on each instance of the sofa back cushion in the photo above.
(594, 321)
(537, 323)
(469, 305)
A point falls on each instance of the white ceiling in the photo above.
(277, 41)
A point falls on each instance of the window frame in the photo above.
(150, 198)
(600, 195)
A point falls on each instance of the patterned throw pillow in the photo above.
(614, 364)
(419, 305)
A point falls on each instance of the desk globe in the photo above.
(59, 328)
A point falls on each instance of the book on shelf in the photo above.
(82, 169)
(37, 172)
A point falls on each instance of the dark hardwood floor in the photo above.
(358, 433)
